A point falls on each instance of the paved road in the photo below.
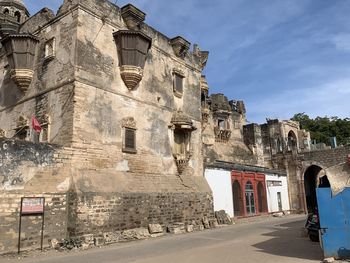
(272, 240)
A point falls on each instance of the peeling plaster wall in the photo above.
(52, 88)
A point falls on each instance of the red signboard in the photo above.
(32, 205)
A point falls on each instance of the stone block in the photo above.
(88, 239)
(213, 223)
(177, 228)
(54, 243)
(189, 228)
(206, 223)
(223, 218)
(111, 237)
(155, 228)
(135, 234)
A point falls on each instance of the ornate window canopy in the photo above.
(180, 46)
(21, 50)
(132, 16)
(182, 121)
(129, 122)
(182, 127)
(133, 47)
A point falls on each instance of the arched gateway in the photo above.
(314, 177)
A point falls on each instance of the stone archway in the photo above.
(311, 182)
(237, 199)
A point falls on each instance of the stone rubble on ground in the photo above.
(223, 218)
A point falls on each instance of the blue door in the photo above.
(334, 215)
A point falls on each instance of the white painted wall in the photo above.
(220, 183)
(272, 201)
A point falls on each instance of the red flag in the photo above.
(36, 125)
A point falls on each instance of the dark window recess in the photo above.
(180, 141)
(178, 83)
(21, 133)
(130, 140)
(18, 16)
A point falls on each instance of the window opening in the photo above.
(178, 83)
(18, 16)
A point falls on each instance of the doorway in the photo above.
(237, 198)
(279, 200)
(310, 185)
(261, 198)
(249, 198)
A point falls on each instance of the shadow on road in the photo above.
(287, 241)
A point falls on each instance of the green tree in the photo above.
(323, 128)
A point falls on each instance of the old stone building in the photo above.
(112, 122)
(119, 105)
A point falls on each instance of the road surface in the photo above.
(271, 240)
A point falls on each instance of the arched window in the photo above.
(292, 141)
(18, 16)
(6, 11)
(279, 145)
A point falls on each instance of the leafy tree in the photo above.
(323, 128)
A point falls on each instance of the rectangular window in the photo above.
(178, 84)
(221, 124)
(44, 135)
(22, 133)
(50, 49)
(130, 140)
(180, 142)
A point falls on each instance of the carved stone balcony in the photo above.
(180, 46)
(132, 16)
(133, 47)
(182, 161)
(222, 135)
(20, 51)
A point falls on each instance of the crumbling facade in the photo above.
(247, 154)
(119, 105)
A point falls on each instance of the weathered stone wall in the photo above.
(297, 164)
(97, 214)
(325, 158)
(51, 90)
(98, 201)
(55, 221)
(102, 100)
(234, 149)
(81, 90)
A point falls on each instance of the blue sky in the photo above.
(280, 56)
